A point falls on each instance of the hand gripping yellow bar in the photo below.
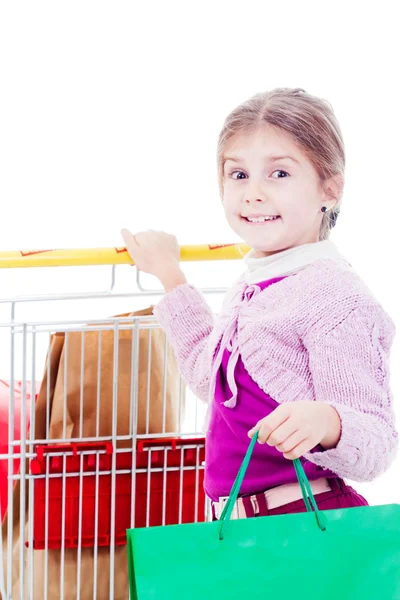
(111, 256)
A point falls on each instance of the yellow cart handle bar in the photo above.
(111, 256)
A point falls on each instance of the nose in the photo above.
(256, 200)
(254, 194)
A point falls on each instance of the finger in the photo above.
(282, 433)
(268, 425)
(266, 432)
(300, 450)
(129, 238)
(251, 432)
(264, 427)
(292, 441)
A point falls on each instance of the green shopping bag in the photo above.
(351, 554)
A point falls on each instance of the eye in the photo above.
(280, 171)
(239, 172)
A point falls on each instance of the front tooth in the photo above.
(260, 219)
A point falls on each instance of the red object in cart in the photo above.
(5, 394)
(167, 489)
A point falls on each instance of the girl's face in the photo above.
(266, 174)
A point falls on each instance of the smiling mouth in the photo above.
(261, 220)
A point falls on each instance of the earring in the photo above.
(323, 209)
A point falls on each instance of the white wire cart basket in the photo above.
(98, 432)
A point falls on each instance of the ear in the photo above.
(333, 189)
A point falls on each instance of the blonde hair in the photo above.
(308, 119)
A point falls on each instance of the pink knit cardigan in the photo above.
(318, 335)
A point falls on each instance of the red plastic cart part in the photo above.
(77, 474)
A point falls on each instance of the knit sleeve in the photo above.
(188, 322)
(350, 371)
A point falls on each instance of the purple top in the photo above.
(227, 441)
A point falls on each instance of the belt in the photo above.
(259, 504)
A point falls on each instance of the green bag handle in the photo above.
(302, 479)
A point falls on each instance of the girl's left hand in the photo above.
(295, 428)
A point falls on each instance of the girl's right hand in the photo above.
(154, 252)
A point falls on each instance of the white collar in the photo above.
(288, 261)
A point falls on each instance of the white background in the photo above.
(110, 113)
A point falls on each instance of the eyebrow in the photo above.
(268, 158)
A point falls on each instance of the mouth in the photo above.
(261, 219)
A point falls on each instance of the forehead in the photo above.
(266, 140)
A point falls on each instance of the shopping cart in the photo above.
(78, 477)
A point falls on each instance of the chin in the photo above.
(272, 248)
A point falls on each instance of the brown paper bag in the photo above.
(90, 411)
(93, 418)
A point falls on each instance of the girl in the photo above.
(300, 349)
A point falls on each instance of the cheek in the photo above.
(230, 214)
(294, 213)
(297, 211)
(230, 204)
